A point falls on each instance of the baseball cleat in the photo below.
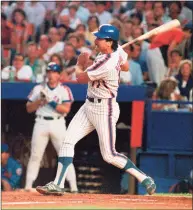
(50, 189)
(150, 185)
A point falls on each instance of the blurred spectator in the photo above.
(49, 5)
(11, 170)
(62, 31)
(134, 75)
(65, 20)
(38, 14)
(74, 20)
(17, 72)
(91, 6)
(167, 90)
(186, 12)
(21, 31)
(117, 9)
(136, 19)
(175, 12)
(148, 6)
(32, 59)
(128, 29)
(144, 46)
(56, 58)
(149, 20)
(159, 10)
(155, 62)
(74, 40)
(80, 29)
(69, 55)
(20, 5)
(46, 25)
(186, 46)
(174, 66)
(136, 57)
(185, 78)
(5, 39)
(138, 8)
(169, 40)
(93, 25)
(56, 14)
(55, 46)
(82, 12)
(69, 60)
(103, 15)
(81, 47)
(117, 23)
(43, 46)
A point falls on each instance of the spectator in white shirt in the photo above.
(91, 6)
(103, 15)
(74, 20)
(55, 46)
(38, 14)
(82, 12)
(20, 5)
(17, 72)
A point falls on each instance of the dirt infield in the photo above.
(33, 200)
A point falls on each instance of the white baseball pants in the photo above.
(42, 132)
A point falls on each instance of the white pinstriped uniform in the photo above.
(47, 129)
(104, 75)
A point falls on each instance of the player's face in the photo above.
(101, 45)
(4, 158)
(53, 77)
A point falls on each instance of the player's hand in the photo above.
(7, 174)
(83, 59)
(43, 94)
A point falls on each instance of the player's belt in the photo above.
(48, 118)
(94, 100)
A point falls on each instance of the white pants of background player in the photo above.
(42, 132)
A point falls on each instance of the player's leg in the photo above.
(5, 184)
(71, 178)
(57, 138)
(79, 127)
(38, 144)
(106, 129)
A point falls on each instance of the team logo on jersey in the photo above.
(56, 99)
(19, 171)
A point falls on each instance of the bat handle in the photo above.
(129, 43)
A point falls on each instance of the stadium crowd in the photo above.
(35, 33)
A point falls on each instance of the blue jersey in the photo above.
(12, 172)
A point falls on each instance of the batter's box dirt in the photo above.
(33, 200)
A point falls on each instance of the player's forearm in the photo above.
(125, 67)
(60, 108)
(33, 106)
(82, 77)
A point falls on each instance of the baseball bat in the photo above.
(165, 27)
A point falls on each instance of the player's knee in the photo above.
(35, 158)
(108, 158)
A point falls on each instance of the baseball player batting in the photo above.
(100, 111)
(52, 102)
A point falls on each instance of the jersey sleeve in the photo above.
(123, 55)
(67, 95)
(99, 69)
(34, 94)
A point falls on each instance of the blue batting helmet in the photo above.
(107, 31)
(52, 66)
